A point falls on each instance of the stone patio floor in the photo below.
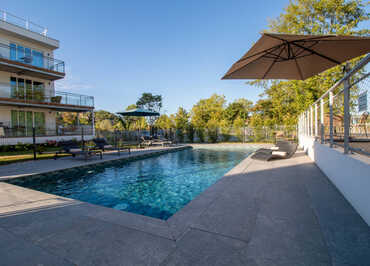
(282, 212)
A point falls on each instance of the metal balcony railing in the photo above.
(23, 23)
(340, 117)
(31, 58)
(40, 96)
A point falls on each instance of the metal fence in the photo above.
(340, 117)
(207, 135)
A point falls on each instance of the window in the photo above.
(26, 55)
(39, 122)
(23, 121)
(37, 58)
(13, 88)
(13, 51)
(27, 89)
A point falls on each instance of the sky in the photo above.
(116, 50)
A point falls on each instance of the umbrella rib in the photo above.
(272, 64)
(269, 50)
(316, 53)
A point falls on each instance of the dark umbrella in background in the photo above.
(139, 113)
(298, 57)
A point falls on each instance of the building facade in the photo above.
(29, 103)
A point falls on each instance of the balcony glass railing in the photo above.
(40, 96)
(30, 57)
(23, 23)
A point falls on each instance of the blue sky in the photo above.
(116, 50)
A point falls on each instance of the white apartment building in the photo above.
(28, 99)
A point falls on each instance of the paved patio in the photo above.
(261, 213)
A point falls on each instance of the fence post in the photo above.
(34, 142)
(82, 138)
(331, 131)
(346, 114)
(307, 123)
(311, 121)
(316, 121)
(322, 128)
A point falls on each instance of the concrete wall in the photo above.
(28, 140)
(26, 35)
(349, 173)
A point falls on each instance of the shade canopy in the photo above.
(139, 112)
(290, 56)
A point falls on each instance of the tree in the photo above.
(239, 108)
(181, 119)
(285, 100)
(150, 102)
(205, 110)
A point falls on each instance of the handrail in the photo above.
(356, 68)
(41, 61)
(57, 97)
(24, 23)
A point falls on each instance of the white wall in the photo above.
(350, 173)
(28, 140)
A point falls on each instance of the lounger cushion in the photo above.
(74, 150)
(274, 148)
(279, 153)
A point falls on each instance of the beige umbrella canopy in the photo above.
(290, 56)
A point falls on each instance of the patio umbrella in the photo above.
(139, 112)
(291, 56)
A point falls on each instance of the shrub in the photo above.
(212, 131)
(180, 134)
(200, 134)
(225, 129)
(190, 132)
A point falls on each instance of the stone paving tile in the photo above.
(203, 248)
(95, 242)
(16, 251)
(127, 219)
(286, 231)
(233, 213)
(44, 224)
(348, 236)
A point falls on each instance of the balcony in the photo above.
(30, 63)
(26, 29)
(60, 101)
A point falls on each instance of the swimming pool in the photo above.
(158, 186)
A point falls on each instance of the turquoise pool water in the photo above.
(157, 186)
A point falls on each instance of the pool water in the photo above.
(157, 186)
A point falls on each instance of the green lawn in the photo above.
(20, 156)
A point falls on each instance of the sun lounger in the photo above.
(145, 141)
(282, 150)
(161, 141)
(102, 144)
(71, 147)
